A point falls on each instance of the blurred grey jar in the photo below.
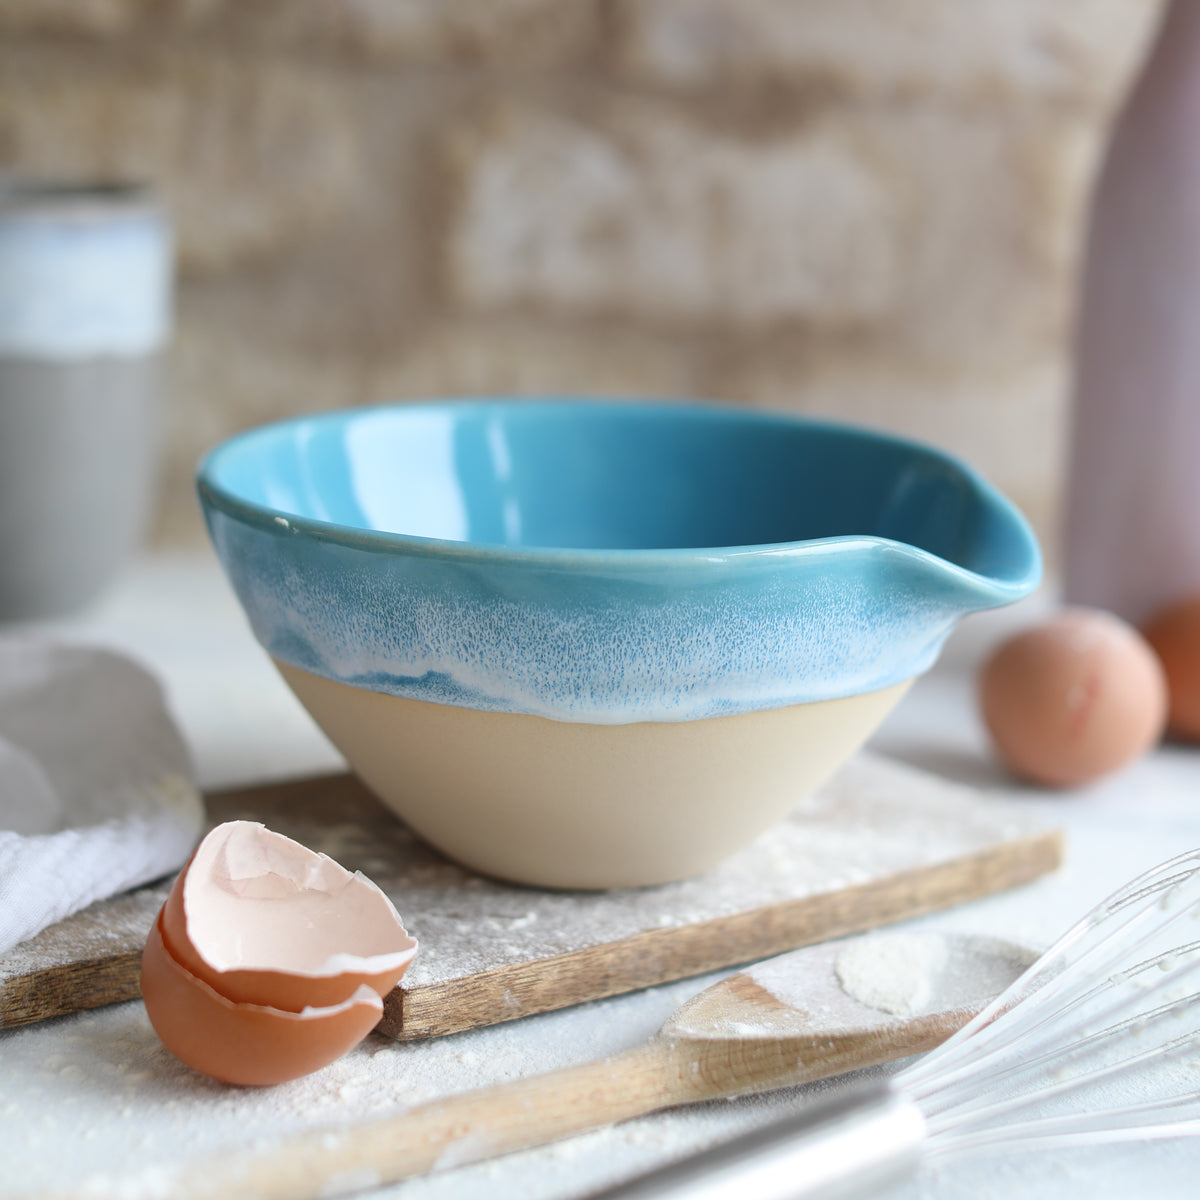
(85, 312)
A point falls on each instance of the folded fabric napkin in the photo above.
(96, 787)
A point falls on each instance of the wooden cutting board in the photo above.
(879, 843)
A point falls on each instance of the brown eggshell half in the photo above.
(246, 1043)
(264, 920)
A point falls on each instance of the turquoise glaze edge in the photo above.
(604, 637)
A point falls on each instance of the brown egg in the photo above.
(267, 960)
(1073, 699)
(1175, 636)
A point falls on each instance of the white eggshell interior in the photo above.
(256, 900)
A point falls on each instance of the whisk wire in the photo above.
(1028, 1010)
(989, 1112)
(1131, 1123)
(1075, 1046)
(1079, 1019)
(1080, 1031)
(1049, 1064)
(1055, 983)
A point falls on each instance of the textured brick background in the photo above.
(862, 208)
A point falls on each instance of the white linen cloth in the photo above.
(96, 785)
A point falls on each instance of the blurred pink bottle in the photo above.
(1133, 507)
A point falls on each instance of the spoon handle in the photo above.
(476, 1125)
(850, 1146)
(736, 1054)
(454, 1131)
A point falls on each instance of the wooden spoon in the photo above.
(790, 1020)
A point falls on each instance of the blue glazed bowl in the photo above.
(595, 564)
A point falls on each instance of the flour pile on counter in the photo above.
(96, 792)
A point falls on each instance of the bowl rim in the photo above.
(266, 517)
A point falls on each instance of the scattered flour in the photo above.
(873, 819)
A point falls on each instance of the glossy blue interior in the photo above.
(593, 476)
(605, 562)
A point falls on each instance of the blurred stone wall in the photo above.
(868, 209)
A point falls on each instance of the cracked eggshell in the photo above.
(268, 960)
(246, 1043)
(264, 920)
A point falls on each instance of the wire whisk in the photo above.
(1112, 1008)
(1108, 1002)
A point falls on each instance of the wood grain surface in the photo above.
(880, 843)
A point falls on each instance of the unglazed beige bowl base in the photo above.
(566, 805)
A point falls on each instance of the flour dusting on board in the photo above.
(875, 820)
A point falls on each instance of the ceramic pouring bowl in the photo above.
(594, 644)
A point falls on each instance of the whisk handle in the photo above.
(846, 1147)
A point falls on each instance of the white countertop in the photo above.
(95, 1092)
